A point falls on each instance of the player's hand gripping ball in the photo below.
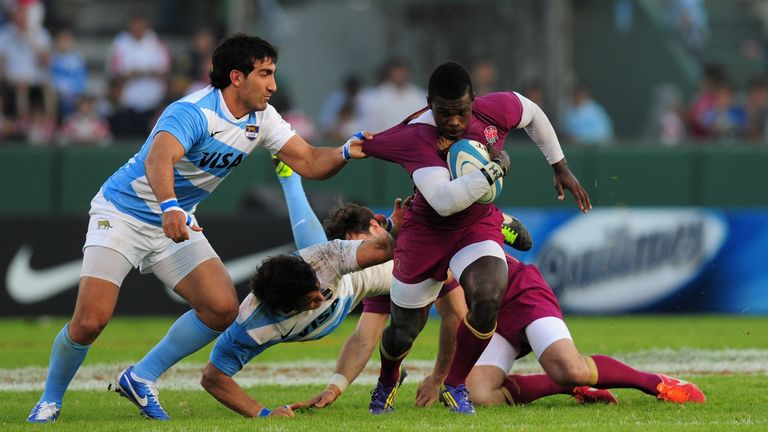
(467, 156)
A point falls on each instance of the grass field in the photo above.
(726, 356)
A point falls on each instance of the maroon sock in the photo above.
(612, 373)
(469, 347)
(390, 369)
(527, 388)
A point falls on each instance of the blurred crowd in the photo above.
(46, 97)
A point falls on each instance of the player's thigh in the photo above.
(102, 274)
(207, 287)
(551, 341)
(467, 259)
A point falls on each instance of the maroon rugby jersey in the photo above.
(414, 146)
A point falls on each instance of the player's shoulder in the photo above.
(495, 101)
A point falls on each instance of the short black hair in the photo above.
(348, 218)
(449, 81)
(238, 52)
(282, 282)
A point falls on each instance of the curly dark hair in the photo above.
(347, 218)
(238, 52)
(449, 81)
(282, 282)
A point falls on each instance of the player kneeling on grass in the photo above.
(529, 319)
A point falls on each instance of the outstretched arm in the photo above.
(540, 129)
(352, 359)
(319, 163)
(452, 309)
(230, 394)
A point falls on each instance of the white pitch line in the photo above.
(185, 376)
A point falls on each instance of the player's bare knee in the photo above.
(218, 316)
(482, 315)
(85, 330)
(571, 374)
(479, 392)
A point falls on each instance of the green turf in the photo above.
(736, 402)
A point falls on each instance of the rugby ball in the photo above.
(467, 156)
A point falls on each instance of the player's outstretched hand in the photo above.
(355, 144)
(398, 213)
(283, 411)
(321, 400)
(428, 392)
(564, 179)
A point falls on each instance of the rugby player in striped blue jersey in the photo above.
(143, 217)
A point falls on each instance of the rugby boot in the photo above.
(679, 391)
(457, 398)
(142, 393)
(590, 395)
(383, 398)
(44, 412)
(515, 234)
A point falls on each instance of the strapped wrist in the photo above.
(339, 381)
(345, 148)
(492, 172)
(172, 204)
(501, 165)
(264, 412)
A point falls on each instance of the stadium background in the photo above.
(678, 227)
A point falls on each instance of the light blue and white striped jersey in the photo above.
(215, 142)
(257, 328)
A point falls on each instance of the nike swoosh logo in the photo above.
(283, 336)
(214, 133)
(141, 400)
(27, 285)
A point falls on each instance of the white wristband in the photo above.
(339, 381)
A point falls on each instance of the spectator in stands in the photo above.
(723, 118)
(85, 126)
(484, 76)
(713, 76)
(340, 112)
(68, 71)
(756, 110)
(666, 120)
(192, 68)
(690, 21)
(139, 63)
(24, 59)
(393, 99)
(585, 120)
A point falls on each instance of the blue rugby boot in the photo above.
(457, 398)
(142, 393)
(44, 412)
(383, 398)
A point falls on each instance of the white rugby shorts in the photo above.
(142, 244)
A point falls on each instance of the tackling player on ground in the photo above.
(306, 295)
(446, 227)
